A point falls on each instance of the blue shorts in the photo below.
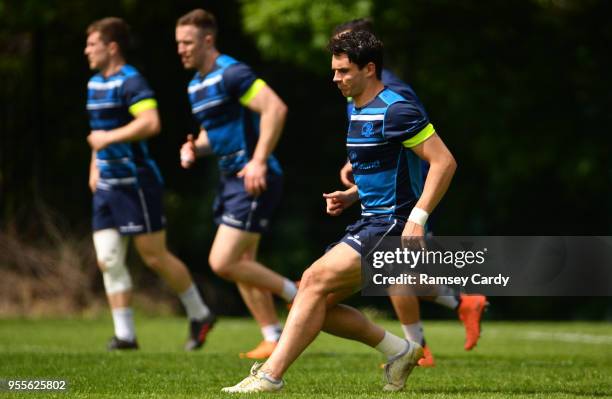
(132, 208)
(236, 208)
(371, 227)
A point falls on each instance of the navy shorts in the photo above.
(132, 208)
(236, 208)
(371, 227)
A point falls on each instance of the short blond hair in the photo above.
(201, 19)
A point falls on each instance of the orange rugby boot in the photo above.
(427, 360)
(261, 352)
(470, 313)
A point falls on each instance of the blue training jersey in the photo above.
(379, 139)
(113, 102)
(218, 102)
(418, 167)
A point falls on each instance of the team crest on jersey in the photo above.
(352, 155)
(368, 129)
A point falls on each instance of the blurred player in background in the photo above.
(469, 308)
(241, 120)
(127, 185)
(383, 126)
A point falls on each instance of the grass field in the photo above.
(545, 360)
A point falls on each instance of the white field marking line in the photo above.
(568, 337)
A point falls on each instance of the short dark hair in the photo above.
(361, 47)
(112, 29)
(355, 25)
(200, 18)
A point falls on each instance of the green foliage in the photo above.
(298, 30)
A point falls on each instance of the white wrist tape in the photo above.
(418, 216)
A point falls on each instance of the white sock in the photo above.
(194, 305)
(391, 345)
(272, 332)
(123, 319)
(414, 332)
(447, 297)
(450, 302)
(289, 290)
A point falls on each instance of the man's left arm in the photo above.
(144, 125)
(273, 112)
(407, 124)
(442, 166)
(143, 107)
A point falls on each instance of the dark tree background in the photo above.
(519, 90)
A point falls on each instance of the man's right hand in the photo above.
(94, 175)
(188, 152)
(338, 201)
(346, 175)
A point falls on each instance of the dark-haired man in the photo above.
(469, 307)
(389, 207)
(127, 185)
(241, 119)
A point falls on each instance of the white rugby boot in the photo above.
(258, 381)
(399, 368)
